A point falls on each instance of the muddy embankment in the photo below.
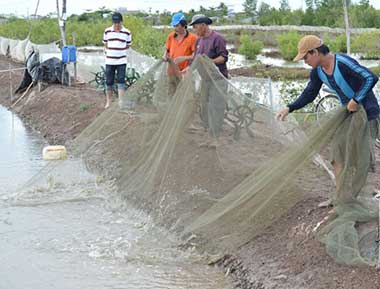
(287, 255)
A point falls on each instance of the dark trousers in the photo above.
(110, 76)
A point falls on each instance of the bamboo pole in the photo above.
(22, 96)
(10, 82)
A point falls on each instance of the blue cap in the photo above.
(177, 18)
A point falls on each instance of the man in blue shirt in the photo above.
(350, 81)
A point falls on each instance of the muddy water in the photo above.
(68, 229)
(20, 149)
(237, 60)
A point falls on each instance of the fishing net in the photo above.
(4, 46)
(174, 155)
(18, 52)
(12, 47)
(41, 48)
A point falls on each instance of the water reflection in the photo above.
(20, 148)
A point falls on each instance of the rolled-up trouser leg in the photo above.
(110, 76)
(121, 76)
(216, 106)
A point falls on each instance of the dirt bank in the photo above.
(286, 255)
(59, 113)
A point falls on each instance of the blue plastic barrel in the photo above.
(69, 54)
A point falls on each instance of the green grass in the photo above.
(146, 39)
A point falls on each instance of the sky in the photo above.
(23, 7)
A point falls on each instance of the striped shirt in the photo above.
(349, 80)
(117, 44)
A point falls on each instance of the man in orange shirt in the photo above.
(180, 48)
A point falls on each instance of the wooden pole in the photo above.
(61, 24)
(10, 82)
(75, 62)
(64, 18)
(346, 20)
(22, 96)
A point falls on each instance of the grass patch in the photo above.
(86, 106)
(276, 73)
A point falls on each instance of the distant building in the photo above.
(35, 17)
(124, 10)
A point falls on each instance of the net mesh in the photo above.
(151, 153)
(4, 46)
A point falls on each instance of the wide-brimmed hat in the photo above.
(176, 19)
(200, 18)
(117, 17)
(307, 43)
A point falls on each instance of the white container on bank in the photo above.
(56, 152)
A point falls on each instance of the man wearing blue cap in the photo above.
(117, 39)
(180, 47)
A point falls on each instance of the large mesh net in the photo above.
(174, 156)
(19, 50)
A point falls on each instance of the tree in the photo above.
(284, 5)
(309, 4)
(364, 3)
(250, 7)
(202, 9)
(222, 9)
(266, 15)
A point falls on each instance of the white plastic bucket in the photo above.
(56, 152)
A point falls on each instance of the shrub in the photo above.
(250, 48)
(339, 44)
(86, 106)
(367, 43)
(288, 44)
(146, 39)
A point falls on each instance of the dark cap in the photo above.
(117, 17)
(200, 18)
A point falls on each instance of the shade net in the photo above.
(144, 151)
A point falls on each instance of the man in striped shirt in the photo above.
(351, 82)
(117, 39)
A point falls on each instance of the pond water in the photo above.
(62, 227)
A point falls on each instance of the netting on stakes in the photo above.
(19, 50)
(146, 144)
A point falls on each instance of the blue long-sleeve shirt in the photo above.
(349, 80)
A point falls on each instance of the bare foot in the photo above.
(107, 105)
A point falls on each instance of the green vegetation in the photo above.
(280, 73)
(317, 13)
(250, 48)
(86, 106)
(338, 45)
(368, 43)
(274, 72)
(146, 39)
(288, 44)
(89, 27)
